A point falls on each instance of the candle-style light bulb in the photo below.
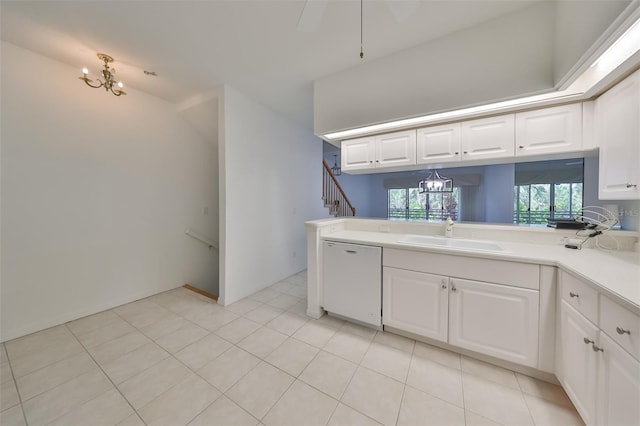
(120, 85)
(85, 71)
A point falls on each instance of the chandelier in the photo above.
(109, 77)
(435, 183)
(336, 170)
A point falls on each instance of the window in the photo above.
(534, 203)
(409, 204)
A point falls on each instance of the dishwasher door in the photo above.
(352, 281)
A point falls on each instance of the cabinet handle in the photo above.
(351, 251)
(456, 153)
(621, 330)
(596, 349)
(572, 294)
(464, 152)
(632, 185)
(453, 288)
(444, 286)
(521, 147)
(587, 341)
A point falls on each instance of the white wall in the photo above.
(506, 57)
(271, 183)
(578, 25)
(96, 193)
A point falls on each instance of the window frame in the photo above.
(426, 214)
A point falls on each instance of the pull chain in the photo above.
(361, 50)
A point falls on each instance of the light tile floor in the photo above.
(178, 358)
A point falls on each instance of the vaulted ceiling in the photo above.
(259, 47)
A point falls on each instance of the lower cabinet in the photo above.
(493, 319)
(576, 362)
(600, 376)
(496, 320)
(416, 302)
(618, 385)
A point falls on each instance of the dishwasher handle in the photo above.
(351, 251)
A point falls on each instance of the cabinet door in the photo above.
(549, 130)
(396, 149)
(618, 130)
(576, 361)
(496, 320)
(491, 137)
(358, 154)
(438, 144)
(415, 302)
(618, 385)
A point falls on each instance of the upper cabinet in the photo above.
(358, 154)
(491, 137)
(396, 149)
(388, 150)
(550, 130)
(439, 144)
(618, 135)
(524, 136)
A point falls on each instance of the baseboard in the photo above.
(201, 292)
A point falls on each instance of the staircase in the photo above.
(333, 195)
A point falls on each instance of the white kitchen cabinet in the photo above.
(496, 320)
(618, 134)
(492, 137)
(439, 144)
(576, 360)
(415, 302)
(396, 149)
(596, 358)
(618, 401)
(358, 154)
(498, 316)
(549, 130)
(622, 325)
(389, 150)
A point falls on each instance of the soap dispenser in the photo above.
(448, 230)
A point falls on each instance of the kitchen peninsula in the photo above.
(511, 295)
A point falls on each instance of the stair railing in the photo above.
(333, 194)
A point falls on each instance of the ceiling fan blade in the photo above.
(311, 15)
(402, 10)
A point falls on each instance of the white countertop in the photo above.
(616, 274)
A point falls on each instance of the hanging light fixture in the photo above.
(336, 170)
(435, 183)
(361, 50)
(109, 77)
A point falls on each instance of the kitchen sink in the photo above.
(457, 243)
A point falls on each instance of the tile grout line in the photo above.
(152, 340)
(15, 384)
(112, 383)
(180, 361)
(404, 385)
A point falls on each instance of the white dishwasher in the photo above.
(352, 281)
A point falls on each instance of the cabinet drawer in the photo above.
(580, 296)
(516, 274)
(622, 325)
